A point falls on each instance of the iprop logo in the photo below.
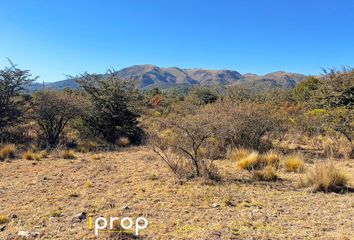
(127, 223)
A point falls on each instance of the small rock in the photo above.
(74, 195)
(215, 205)
(34, 164)
(126, 208)
(23, 234)
(13, 216)
(2, 228)
(35, 234)
(79, 217)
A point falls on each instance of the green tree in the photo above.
(13, 82)
(114, 110)
(334, 97)
(304, 90)
(203, 95)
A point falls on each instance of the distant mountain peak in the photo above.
(149, 76)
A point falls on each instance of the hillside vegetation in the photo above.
(204, 162)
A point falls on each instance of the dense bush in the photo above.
(328, 104)
(12, 99)
(207, 132)
(113, 109)
(203, 95)
(245, 125)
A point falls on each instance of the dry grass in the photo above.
(239, 154)
(123, 142)
(88, 146)
(4, 219)
(272, 158)
(68, 154)
(55, 213)
(88, 184)
(335, 147)
(175, 209)
(7, 151)
(251, 162)
(269, 173)
(43, 154)
(326, 177)
(29, 155)
(294, 163)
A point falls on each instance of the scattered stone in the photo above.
(215, 205)
(74, 195)
(28, 234)
(23, 234)
(79, 217)
(35, 234)
(126, 208)
(2, 228)
(13, 216)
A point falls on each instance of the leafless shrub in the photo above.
(245, 125)
(184, 141)
(52, 111)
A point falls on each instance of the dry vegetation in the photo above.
(68, 154)
(294, 163)
(326, 177)
(7, 151)
(47, 195)
(239, 164)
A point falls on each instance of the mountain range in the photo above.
(150, 76)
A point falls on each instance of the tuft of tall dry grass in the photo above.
(325, 177)
(28, 155)
(294, 163)
(7, 151)
(88, 146)
(272, 158)
(31, 155)
(68, 154)
(251, 162)
(267, 174)
(238, 154)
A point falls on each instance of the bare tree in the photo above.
(187, 137)
(52, 111)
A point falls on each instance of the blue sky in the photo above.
(57, 37)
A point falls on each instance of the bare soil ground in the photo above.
(44, 196)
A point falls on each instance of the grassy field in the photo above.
(44, 197)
